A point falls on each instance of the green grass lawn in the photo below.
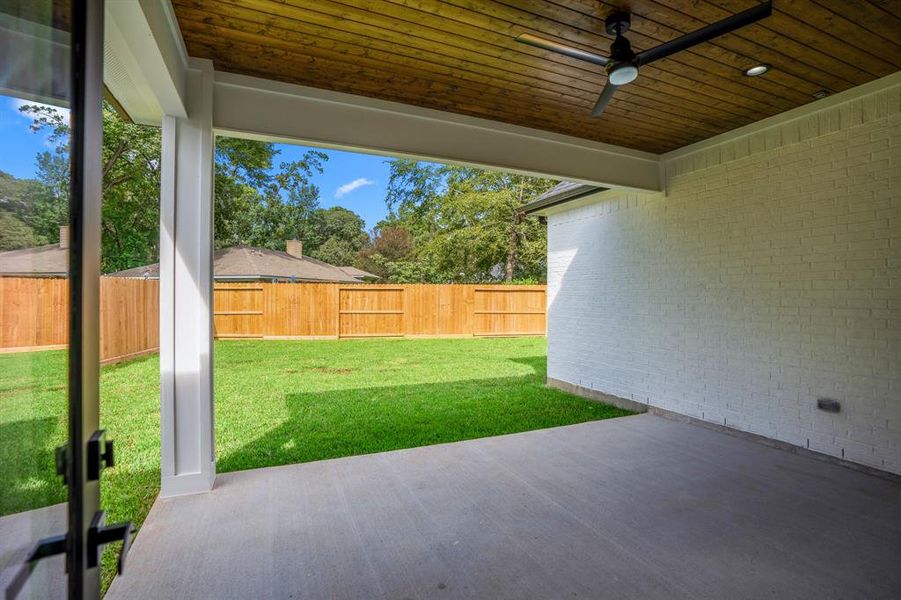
(282, 402)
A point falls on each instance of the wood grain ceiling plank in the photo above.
(300, 32)
(750, 45)
(453, 96)
(882, 19)
(683, 98)
(726, 56)
(435, 98)
(740, 50)
(521, 100)
(690, 89)
(691, 70)
(588, 80)
(849, 33)
(817, 32)
(461, 56)
(878, 20)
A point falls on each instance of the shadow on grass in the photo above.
(27, 464)
(538, 364)
(348, 422)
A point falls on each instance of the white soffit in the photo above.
(144, 59)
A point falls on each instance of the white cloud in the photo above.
(16, 103)
(351, 186)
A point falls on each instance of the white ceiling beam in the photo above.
(273, 111)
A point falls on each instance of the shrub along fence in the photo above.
(33, 312)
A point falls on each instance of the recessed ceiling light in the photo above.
(757, 70)
(820, 94)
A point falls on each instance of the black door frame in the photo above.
(86, 145)
(87, 451)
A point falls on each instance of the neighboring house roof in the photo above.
(46, 261)
(247, 262)
(565, 191)
(359, 273)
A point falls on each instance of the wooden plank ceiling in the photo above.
(460, 56)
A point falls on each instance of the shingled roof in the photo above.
(249, 263)
(41, 261)
(360, 274)
(560, 193)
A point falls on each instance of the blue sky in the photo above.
(18, 145)
(354, 181)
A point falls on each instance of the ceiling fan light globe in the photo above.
(623, 74)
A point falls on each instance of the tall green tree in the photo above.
(17, 211)
(389, 254)
(337, 235)
(130, 168)
(466, 223)
(258, 200)
(15, 233)
(262, 204)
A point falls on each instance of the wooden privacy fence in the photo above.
(329, 310)
(33, 312)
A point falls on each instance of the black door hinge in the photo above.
(100, 454)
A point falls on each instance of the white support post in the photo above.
(186, 324)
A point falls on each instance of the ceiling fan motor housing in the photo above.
(618, 23)
(623, 67)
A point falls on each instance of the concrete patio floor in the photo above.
(636, 507)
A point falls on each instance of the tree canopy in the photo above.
(259, 200)
(445, 223)
(461, 224)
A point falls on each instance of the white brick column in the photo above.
(186, 332)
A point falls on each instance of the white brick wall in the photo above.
(768, 276)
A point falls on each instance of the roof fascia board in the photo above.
(538, 207)
(290, 113)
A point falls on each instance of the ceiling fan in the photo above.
(622, 65)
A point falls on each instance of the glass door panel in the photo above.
(35, 205)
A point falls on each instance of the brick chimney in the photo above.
(64, 236)
(294, 248)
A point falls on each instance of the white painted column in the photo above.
(186, 323)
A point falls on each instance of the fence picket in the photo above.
(33, 312)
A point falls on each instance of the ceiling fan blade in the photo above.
(709, 32)
(532, 40)
(604, 99)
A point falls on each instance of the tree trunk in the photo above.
(513, 247)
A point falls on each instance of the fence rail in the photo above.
(329, 310)
(33, 312)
